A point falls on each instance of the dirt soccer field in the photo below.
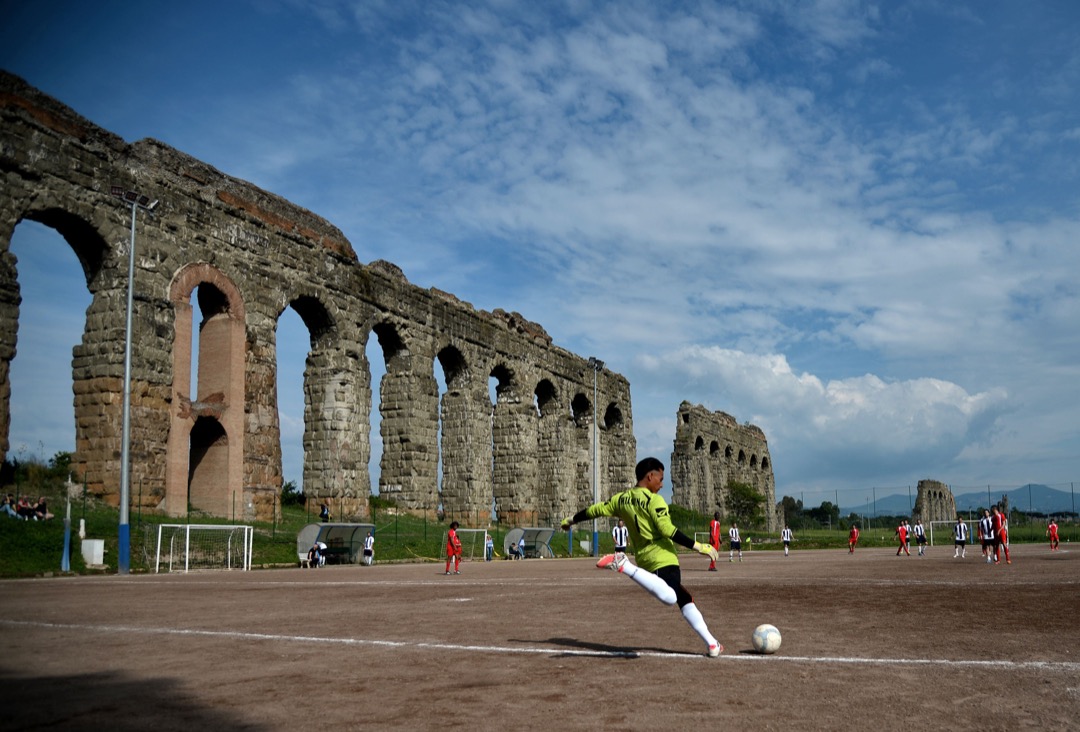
(869, 640)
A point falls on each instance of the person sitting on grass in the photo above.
(25, 510)
(41, 510)
(8, 506)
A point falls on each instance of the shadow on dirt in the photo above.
(113, 701)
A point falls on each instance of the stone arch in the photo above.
(91, 250)
(221, 398)
(714, 449)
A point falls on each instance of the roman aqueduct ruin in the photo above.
(249, 255)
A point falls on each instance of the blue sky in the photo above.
(852, 224)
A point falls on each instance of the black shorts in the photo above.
(920, 539)
(960, 542)
(736, 546)
(672, 577)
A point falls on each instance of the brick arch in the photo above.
(206, 430)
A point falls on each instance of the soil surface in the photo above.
(870, 640)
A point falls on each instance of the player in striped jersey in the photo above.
(654, 538)
(734, 542)
(786, 537)
(960, 537)
(986, 535)
(920, 536)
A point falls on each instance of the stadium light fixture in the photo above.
(596, 365)
(137, 201)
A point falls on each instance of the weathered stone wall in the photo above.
(249, 255)
(712, 450)
(934, 501)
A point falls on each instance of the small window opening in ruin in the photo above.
(544, 398)
(613, 417)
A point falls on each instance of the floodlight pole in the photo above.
(596, 365)
(136, 200)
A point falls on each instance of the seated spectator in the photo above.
(313, 556)
(8, 506)
(24, 509)
(41, 510)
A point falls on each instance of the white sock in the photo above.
(656, 587)
(693, 616)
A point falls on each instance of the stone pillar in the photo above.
(466, 453)
(333, 428)
(515, 470)
(409, 433)
(9, 328)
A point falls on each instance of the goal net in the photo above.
(472, 543)
(183, 547)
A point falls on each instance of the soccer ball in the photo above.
(766, 639)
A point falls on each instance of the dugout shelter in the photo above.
(537, 542)
(344, 542)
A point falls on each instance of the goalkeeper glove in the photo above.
(567, 523)
(707, 549)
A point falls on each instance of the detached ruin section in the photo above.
(711, 450)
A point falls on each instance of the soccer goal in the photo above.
(183, 547)
(472, 543)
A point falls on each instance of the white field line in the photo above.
(1006, 665)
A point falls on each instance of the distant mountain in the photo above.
(1033, 497)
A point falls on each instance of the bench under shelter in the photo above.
(537, 542)
(344, 542)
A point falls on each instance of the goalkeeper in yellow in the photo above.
(654, 537)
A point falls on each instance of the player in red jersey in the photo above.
(902, 532)
(714, 537)
(453, 548)
(852, 538)
(1052, 532)
(1001, 531)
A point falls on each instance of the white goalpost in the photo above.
(203, 546)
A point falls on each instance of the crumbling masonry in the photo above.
(934, 501)
(249, 255)
(711, 451)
